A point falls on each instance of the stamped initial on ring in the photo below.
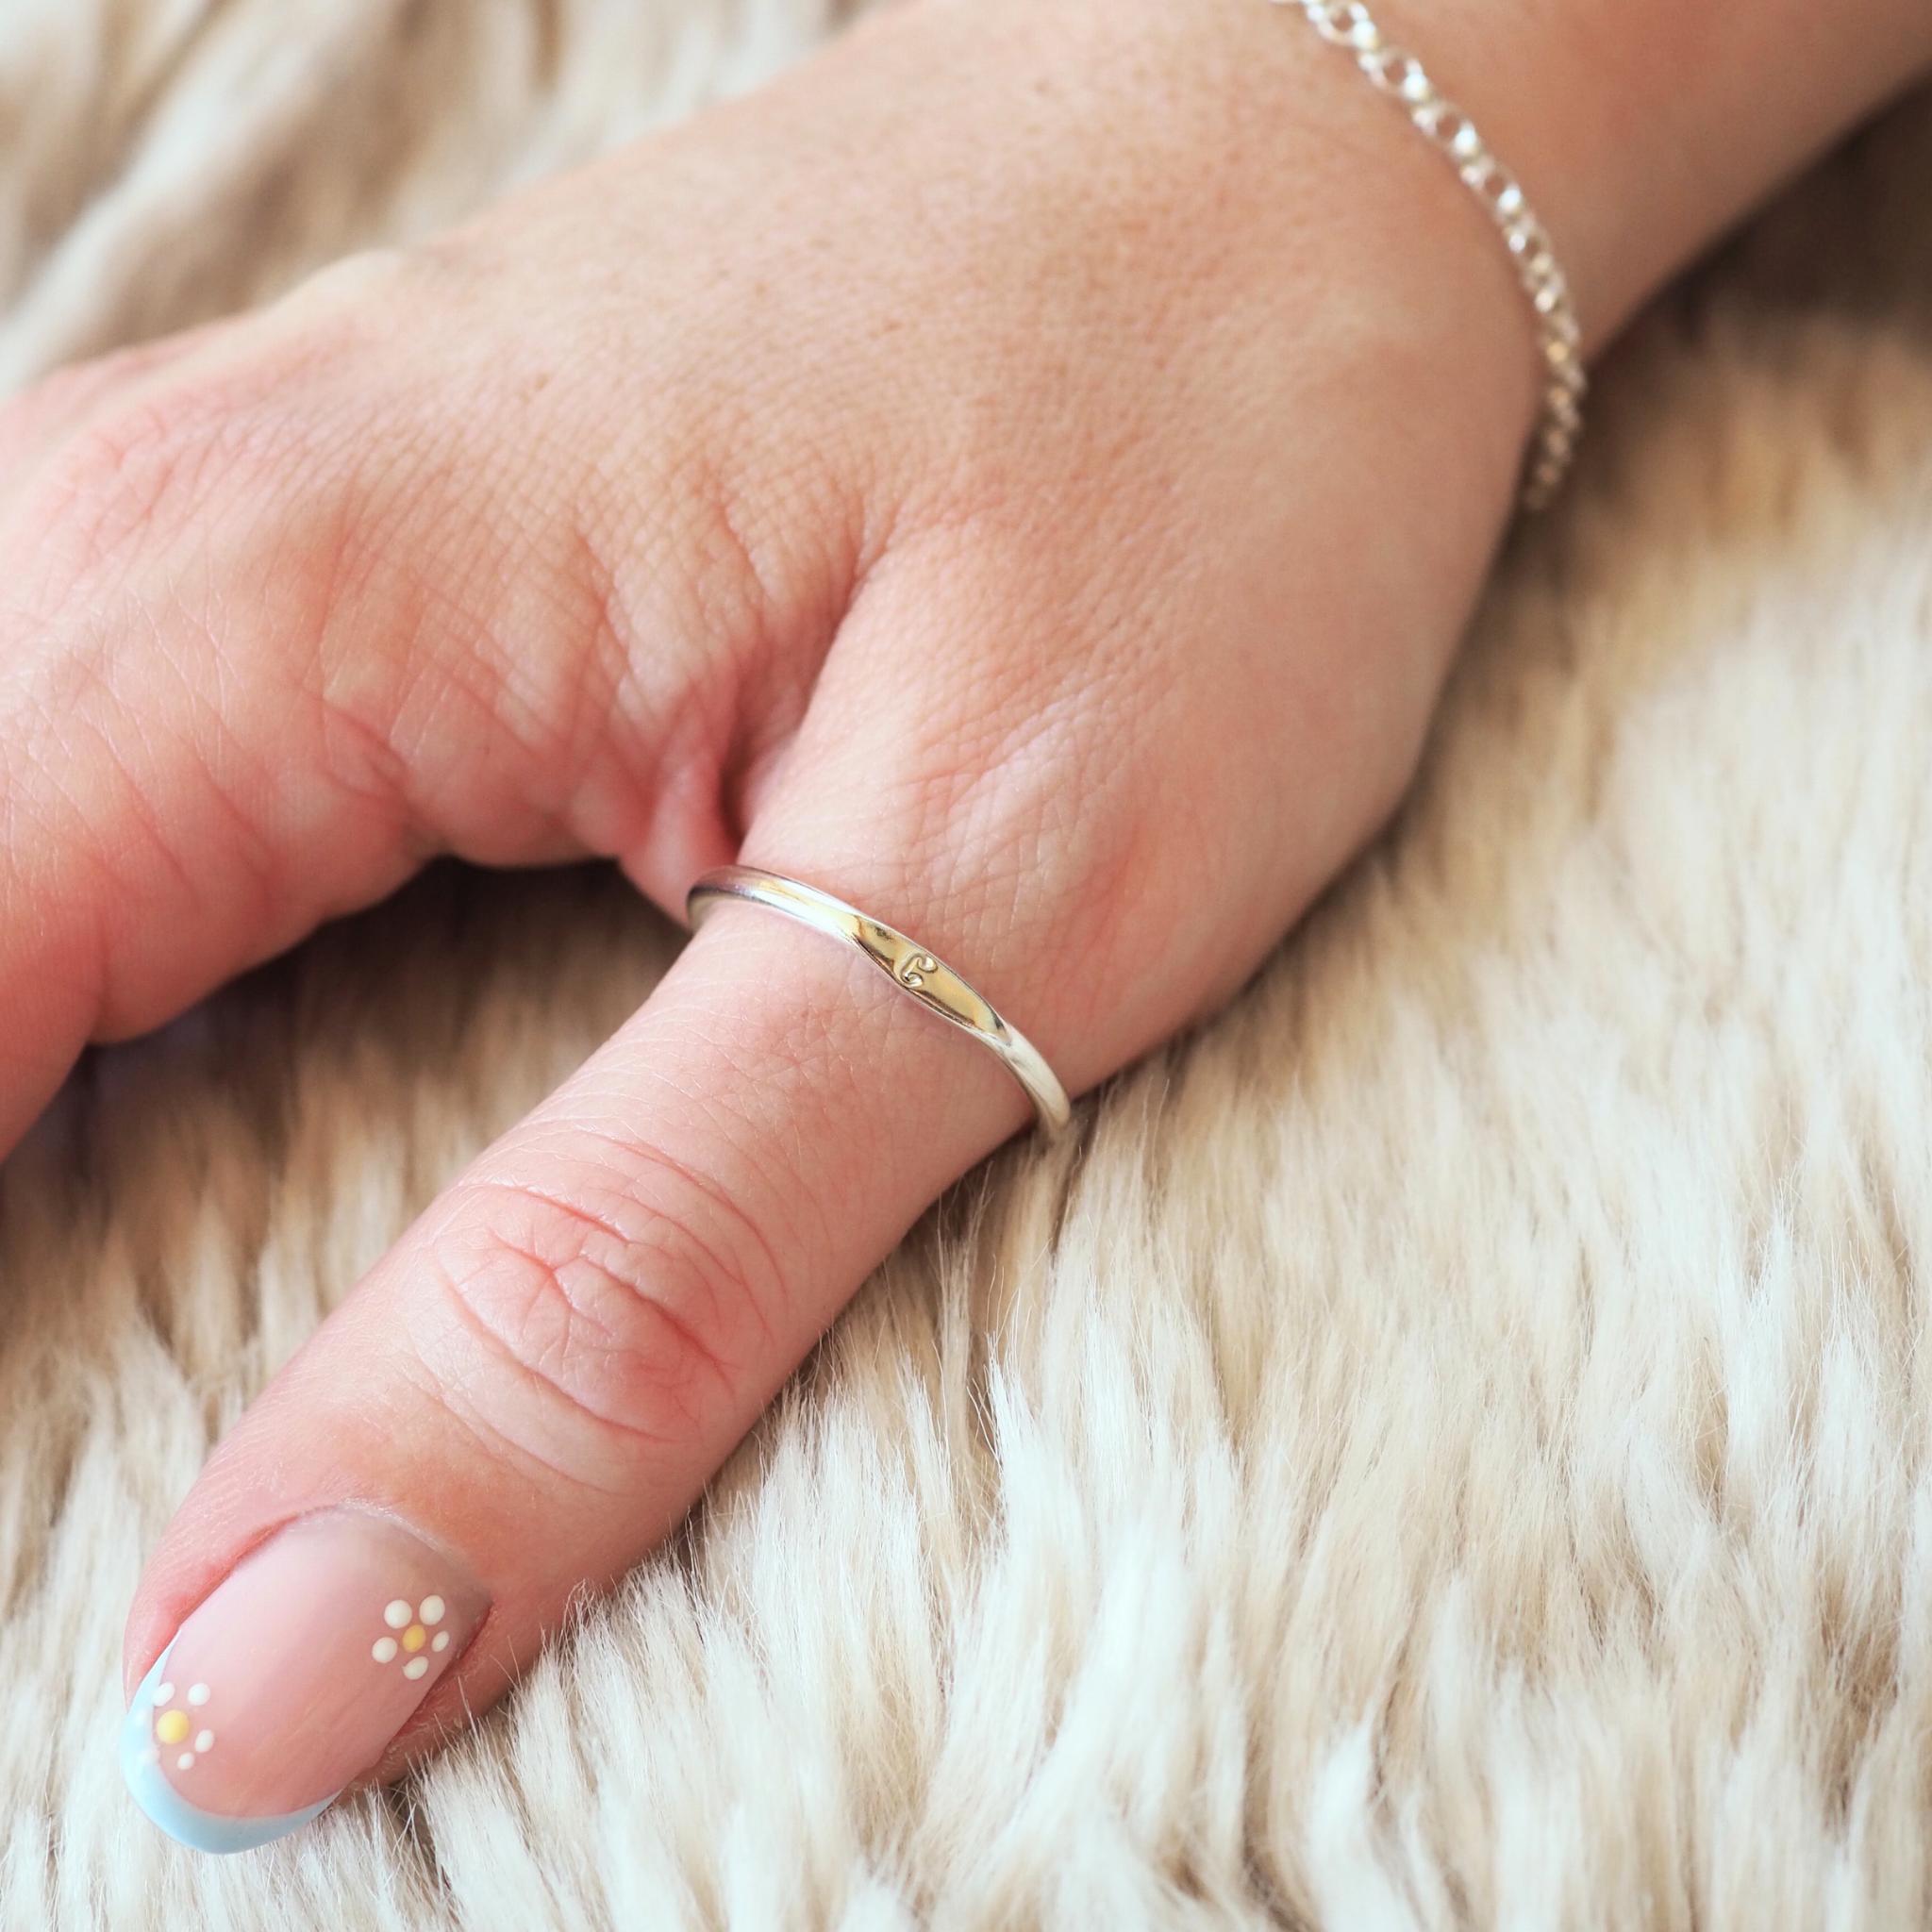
(913, 968)
(935, 985)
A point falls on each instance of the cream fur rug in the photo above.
(1453, 1448)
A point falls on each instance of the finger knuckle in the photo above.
(147, 468)
(378, 279)
(635, 1300)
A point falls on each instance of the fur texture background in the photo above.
(1453, 1444)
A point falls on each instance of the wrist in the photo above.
(1302, 192)
(1280, 180)
(1641, 129)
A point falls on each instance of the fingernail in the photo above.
(292, 1676)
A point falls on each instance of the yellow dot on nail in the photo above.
(396, 1614)
(172, 1727)
(415, 1637)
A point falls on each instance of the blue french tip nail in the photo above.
(294, 1676)
(204, 1831)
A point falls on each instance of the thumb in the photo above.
(527, 1392)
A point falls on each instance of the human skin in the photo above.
(1024, 472)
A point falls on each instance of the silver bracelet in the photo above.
(1399, 75)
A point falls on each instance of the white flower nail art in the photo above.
(173, 1726)
(413, 1623)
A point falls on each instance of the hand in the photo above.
(1051, 544)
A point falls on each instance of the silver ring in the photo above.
(908, 965)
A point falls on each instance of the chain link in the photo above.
(1395, 72)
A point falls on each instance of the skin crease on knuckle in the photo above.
(625, 1289)
(575, 1329)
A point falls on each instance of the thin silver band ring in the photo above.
(908, 965)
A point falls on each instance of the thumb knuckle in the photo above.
(628, 1292)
